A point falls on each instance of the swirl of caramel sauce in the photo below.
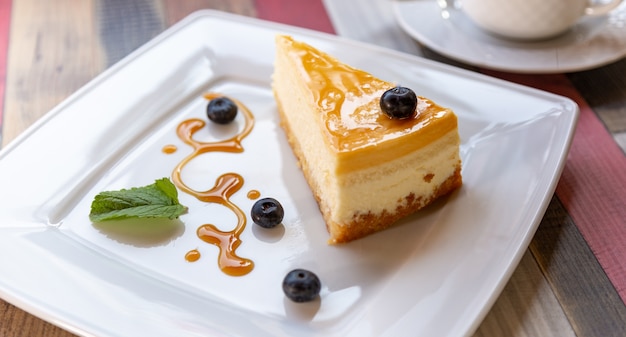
(225, 186)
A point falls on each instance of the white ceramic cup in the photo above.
(532, 19)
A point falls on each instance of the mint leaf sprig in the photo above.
(158, 200)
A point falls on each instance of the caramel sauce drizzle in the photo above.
(253, 194)
(227, 241)
(169, 149)
(193, 255)
(226, 185)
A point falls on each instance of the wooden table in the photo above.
(570, 282)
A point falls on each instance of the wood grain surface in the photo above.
(52, 59)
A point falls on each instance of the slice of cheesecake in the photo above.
(366, 170)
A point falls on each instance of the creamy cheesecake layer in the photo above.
(384, 187)
(293, 96)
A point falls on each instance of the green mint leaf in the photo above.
(158, 200)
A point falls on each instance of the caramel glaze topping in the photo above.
(225, 186)
(349, 101)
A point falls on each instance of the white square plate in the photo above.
(436, 273)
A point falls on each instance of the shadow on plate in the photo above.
(141, 232)
(302, 312)
(269, 235)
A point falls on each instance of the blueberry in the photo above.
(221, 110)
(267, 212)
(399, 102)
(300, 285)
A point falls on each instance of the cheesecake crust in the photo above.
(369, 223)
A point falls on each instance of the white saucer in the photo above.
(442, 26)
